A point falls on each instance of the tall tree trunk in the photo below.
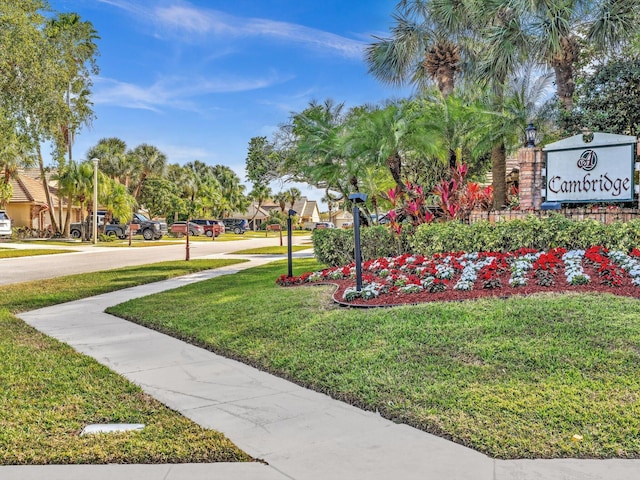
(563, 66)
(394, 162)
(499, 171)
(60, 210)
(255, 214)
(565, 86)
(67, 220)
(453, 158)
(47, 192)
(445, 79)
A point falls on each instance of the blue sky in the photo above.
(198, 78)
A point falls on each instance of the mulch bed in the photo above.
(560, 286)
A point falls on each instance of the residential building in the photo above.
(28, 205)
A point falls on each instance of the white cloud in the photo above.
(189, 21)
(172, 91)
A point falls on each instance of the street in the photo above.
(89, 258)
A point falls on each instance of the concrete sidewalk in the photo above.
(300, 434)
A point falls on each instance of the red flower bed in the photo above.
(411, 279)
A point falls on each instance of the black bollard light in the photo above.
(357, 198)
(289, 240)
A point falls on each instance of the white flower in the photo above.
(519, 268)
(368, 291)
(573, 267)
(470, 272)
(629, 264)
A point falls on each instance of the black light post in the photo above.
(530, 135)
(289, 240)
(357, 198)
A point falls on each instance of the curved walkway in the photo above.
(301, 434)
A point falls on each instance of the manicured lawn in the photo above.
(525, 377)
(49, 392)
(15, 252)
(275, 250)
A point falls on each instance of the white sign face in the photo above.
(598, 174)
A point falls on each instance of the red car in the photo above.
(211, 227)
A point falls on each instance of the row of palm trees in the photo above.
(142, 177)
(376, 148)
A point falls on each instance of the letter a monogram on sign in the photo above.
(588, 160)
(597, 171)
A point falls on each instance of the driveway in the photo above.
(89, 258)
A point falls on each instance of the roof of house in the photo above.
(309, 207)
(29, 189)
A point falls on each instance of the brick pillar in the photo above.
(531, 165)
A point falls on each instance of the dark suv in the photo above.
(235, 225)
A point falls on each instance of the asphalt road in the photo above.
(87, 258)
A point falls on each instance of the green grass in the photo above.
(16, 252)
(514, 378)
(49, 392)
(275, 250)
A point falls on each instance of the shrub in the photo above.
(531, 232)
(335, 247)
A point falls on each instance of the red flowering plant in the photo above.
(454, 198)
(459, 275)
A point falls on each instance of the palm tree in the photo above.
(503, 46)
(75, 40)
(331, 201)
(231, 191)
(114, 162)
(115, 198)
(183, 178)
(76, 183)
(320, 157)
(384, 136)
(563, 28)
(424, 45)
(293, 195)
(259, 194)
(281, 199)
(552, 32)
(66, 179)
(376, 182)
(150, 161)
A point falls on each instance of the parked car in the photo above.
(76, 229)
(150, 229)
(180, 228)
(5, 224)
(236, 225)
(220, 224)
(117, 230)
(320, 225)
(211, 227)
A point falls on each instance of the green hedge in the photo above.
(532, 232)
(335, 247)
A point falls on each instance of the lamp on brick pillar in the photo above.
(530, 135)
